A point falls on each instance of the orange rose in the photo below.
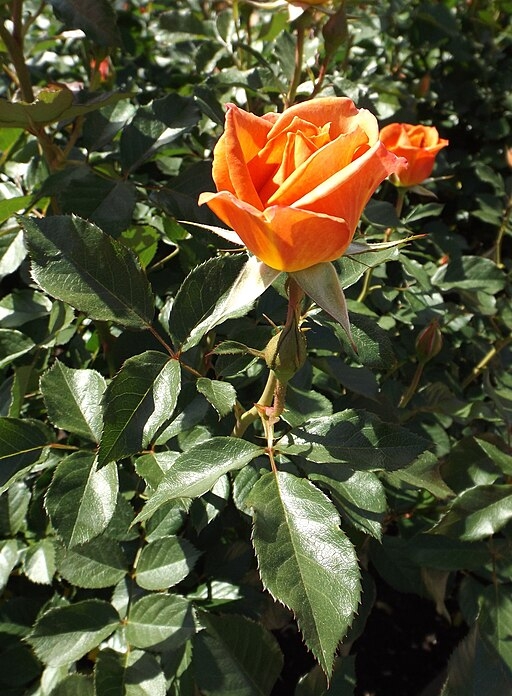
(418, 144)
(293, 185)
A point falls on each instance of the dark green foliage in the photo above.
(148, 543)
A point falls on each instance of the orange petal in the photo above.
(345, 194)
(286, 239)
(243, 137)
(323, 164)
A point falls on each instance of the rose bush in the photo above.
(293, 185)
(418, 144)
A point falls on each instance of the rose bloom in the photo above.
(293, 185)
(418, 144)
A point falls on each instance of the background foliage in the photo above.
(126, 559)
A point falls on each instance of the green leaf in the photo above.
(484, 657)
(354, 437)
(165, 562)
(22, 443)
(47, 108)
(12, 252)
(477, 513)
(81, 498)
(134, 673)
(9, 555)
(13, 344)
(73, 399)
(359, 496)
(13, 509)
(501, 459)
(221, 395)
(95, 564)
(470, 273)
(351, 268)
(39, 562)
(305, 559)
(74, 685)
(235, 655)
(160, 622)
(74, 261)
(13, 205)
(65, 634)
(96, 18)
(154, 127)
(137, 403)
(107, 204)
(23, 306)
(194, 472)
(422, 473)
(221, 288)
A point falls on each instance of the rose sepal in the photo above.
(322, 285)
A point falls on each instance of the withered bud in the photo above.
(429, 342)
(286, 352)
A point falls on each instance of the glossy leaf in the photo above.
(103, 278)
(9, 557)
(95, 564)
(73, 399)
(12, 252)
(74, 685)
(160, 622)
(235, 655)
(221, 395)
(39, 562)
(194, 472)
(477, 513)
(359, 496)
(81, 498)
(65, 634)
(165, 562)
(22, 443)
(137, 403)
(484, 656)
(355, 437)
(134, 673)
(221, 288)
(305, 560)
(13, 344)
(155, 126)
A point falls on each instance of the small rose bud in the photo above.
(286, 352)
(335, 30)
(429, 342)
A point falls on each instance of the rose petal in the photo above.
(347, 192)
(287, 239)
(243, 137)
(321, 166)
